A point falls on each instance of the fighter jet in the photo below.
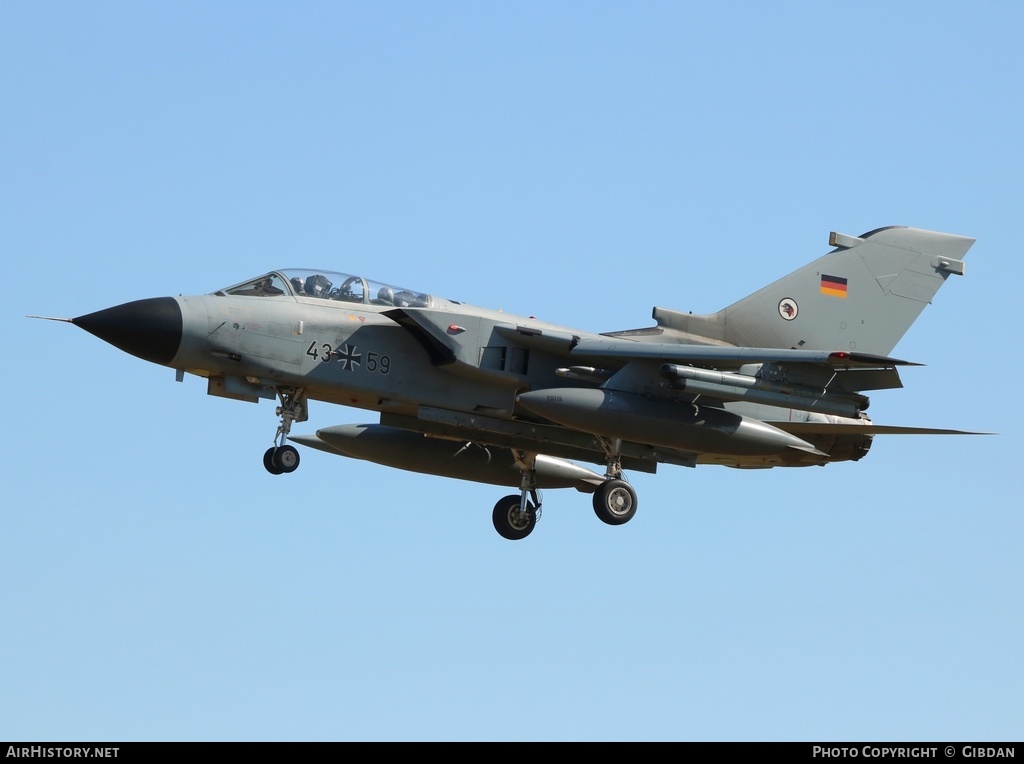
(777, 379)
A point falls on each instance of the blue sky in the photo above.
(577, 161)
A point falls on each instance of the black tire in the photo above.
(268, 461)
(510, 522)
(615, 502)
(287, 459)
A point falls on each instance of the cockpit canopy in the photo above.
(328, 285)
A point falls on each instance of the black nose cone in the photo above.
(149, 329)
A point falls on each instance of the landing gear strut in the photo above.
(282, 458)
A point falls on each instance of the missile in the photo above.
(660, 422)
(414, 451)
(587, 373)
(743, 387)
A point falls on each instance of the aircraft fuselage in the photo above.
(775, 379)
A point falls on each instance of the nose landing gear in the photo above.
(282, 458)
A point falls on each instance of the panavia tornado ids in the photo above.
(777, 379)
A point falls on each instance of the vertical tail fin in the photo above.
(863, 296)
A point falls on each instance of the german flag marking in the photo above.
(833, 285)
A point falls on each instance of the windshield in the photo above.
(328, 285)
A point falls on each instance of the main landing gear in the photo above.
(615, 502)
(281, 457)
(615, 499)
(515, 516)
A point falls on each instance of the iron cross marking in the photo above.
(349, 357)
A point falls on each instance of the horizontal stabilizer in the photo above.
(724, 355)
(827, 428)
